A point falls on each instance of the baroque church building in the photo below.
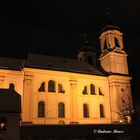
(66, 91)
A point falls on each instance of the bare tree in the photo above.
(46, 117)
(125, 108)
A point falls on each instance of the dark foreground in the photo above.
(80, 132)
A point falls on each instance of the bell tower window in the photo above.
(105, 45)
(116, 42)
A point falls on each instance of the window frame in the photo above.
(102, 111)
(42, 87)
(85, 90)
(53, 88)
(41, 109)
(61, 110)
(94, 89)
(60, 90)
(86, 110)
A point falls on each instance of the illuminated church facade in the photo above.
(66, 91)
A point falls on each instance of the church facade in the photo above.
(65, 91)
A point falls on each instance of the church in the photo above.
(58, 90)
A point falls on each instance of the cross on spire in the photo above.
(85, 40)
(108, 14)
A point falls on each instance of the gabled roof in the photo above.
(11, 63)
(58, 63)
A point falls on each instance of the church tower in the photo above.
(86, 53)
(113, 60)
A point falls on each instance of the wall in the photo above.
(72, 98)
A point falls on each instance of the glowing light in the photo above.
(121, 121)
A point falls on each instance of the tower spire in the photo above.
(85, 41)
(86, 53)
(108, 15)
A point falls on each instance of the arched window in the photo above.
(92, 89)
(51, 86)
(60, 88)
(42, 87)
(102, 114)
(61, 110)
(85, 90)
(105, 45)
(61, 122)
(41, 109)
(100, 91)
(116, 42)
(85, 111)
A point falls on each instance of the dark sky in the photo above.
(55, 28)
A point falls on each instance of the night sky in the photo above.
(56, 27)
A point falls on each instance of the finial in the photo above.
(108, 12)
(108, 16)
(85, 40)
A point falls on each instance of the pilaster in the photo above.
(2, 78)
(27, 98)
(73, 101)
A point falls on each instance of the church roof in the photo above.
(61, 64)
(110, 27)
(11, 63)
(86, 48)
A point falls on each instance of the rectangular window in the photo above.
(85, 111)
(61, 110)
